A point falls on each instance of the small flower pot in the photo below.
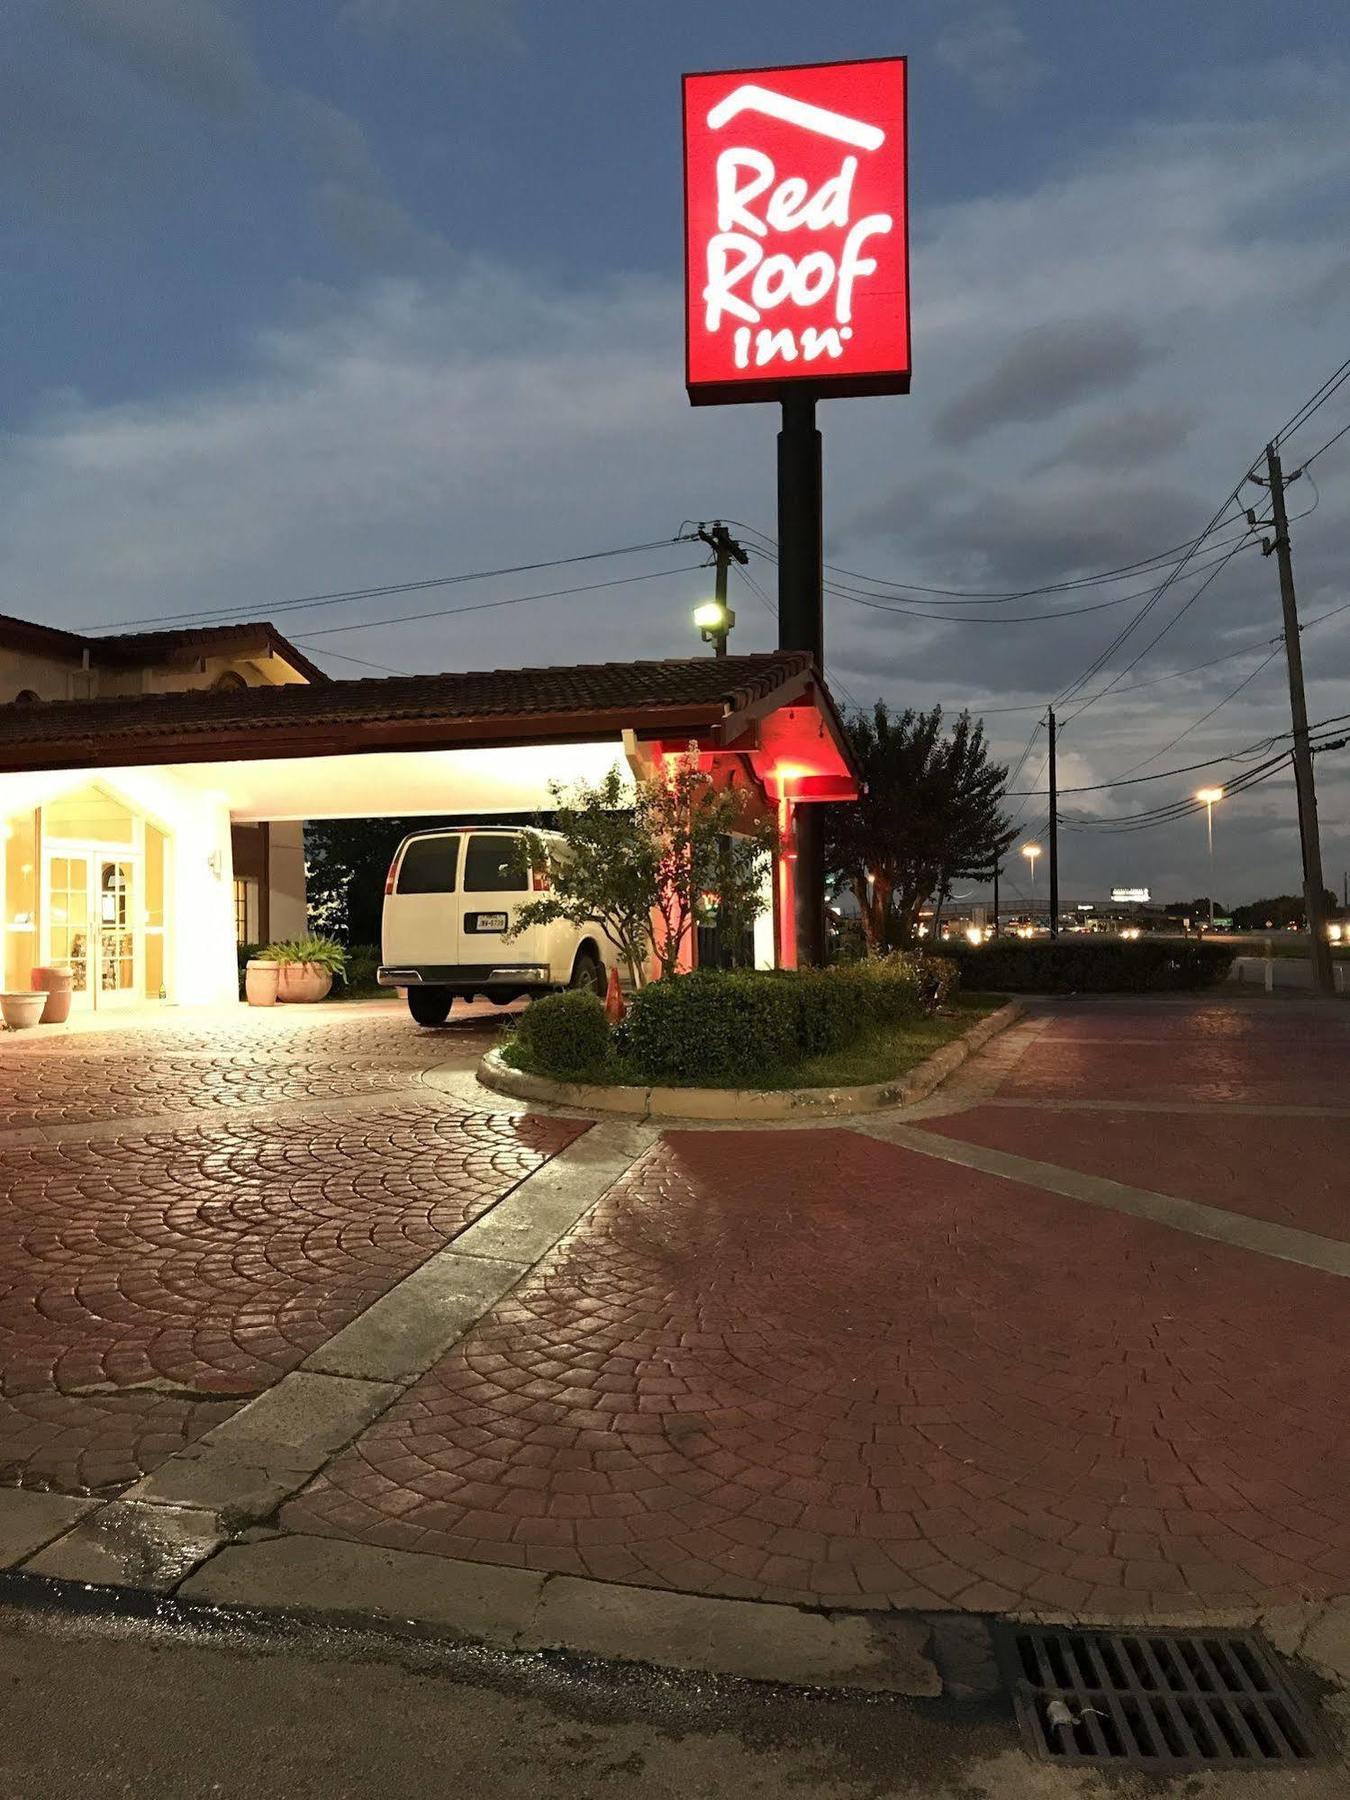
(58, 985)
(303, 983)
(260, 982)
(19, 1011)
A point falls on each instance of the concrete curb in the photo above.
(749, 1105)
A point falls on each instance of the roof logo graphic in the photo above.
(752, 98)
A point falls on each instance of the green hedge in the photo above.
(563, 1035)
(731, 1025)
(1090, 965)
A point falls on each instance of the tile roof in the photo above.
(121, 648)
(687, 691)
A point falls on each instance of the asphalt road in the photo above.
(167, 1710)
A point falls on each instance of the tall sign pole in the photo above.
(801, 626)
(797, 290)
(1310, 841)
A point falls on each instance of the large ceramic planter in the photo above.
(58, 986)
(260, 982)
(19, 1011)
(303, 983)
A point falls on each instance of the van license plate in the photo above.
(488, 921)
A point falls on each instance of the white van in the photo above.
(448, 901)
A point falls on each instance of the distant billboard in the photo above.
(1131, 894)
(796, 235)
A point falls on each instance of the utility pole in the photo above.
(998, 870)
(1314, 887)
(801, 626)
(717, 620)
(1054, 830)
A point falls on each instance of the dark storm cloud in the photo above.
(1125, 440)
(1049, 368)
(192, 49)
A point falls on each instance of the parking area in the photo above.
(189, 1207)
(1070, 1336)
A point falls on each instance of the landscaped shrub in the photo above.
(563, 1035)
(362, 962)
(730, 1025)
(1090, 965)
(712, 1024)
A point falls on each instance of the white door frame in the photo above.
(94, 852)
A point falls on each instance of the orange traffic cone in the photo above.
(615, 1005)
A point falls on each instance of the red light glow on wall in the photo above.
(796, 231)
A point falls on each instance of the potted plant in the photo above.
(262, 974)
(20, 1010)
(58, 986)
(306, 968)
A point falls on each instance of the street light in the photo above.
(1031, 852)
(1208, 796)
(714, 620)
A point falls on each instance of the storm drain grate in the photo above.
(1155, 1700)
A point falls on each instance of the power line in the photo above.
(1197, 723)
(400, 587)
(1317, 399)
(446, 612)
(1303, 469)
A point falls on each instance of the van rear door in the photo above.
(421, 915)
(496, 885)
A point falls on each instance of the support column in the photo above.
(801, 626)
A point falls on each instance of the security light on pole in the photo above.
(1208, 797)
(714, 620)
(1031, 852)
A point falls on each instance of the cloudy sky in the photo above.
(342, 293)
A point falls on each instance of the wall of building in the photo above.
(54, 678)
(287, 908)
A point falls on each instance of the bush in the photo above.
(563, 1035)
(362, 962)
(712, 1024)
(732, 1025)
(1091, 965)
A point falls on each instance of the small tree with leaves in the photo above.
(931, 814)
(670, 850)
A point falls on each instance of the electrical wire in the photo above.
(447, 612)
(341, 597)
(1304, 465)
(1197, 723)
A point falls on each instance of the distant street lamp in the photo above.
(1031, 852)
(1208, 796)
(714, 620)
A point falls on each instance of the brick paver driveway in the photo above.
(187, 1210)
(928, 1361)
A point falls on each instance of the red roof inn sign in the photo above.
(796, 240)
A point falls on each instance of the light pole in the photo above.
(1031, 852)
(1209, 796)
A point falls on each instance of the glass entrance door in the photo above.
(116, 935)
(92, 923)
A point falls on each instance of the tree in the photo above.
(669, 851)
(1282, 912)
(931, 814)
(346, 861)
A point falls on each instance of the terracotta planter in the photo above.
(57, 984)
(303, 983)
(260, 982)
(19, 1011)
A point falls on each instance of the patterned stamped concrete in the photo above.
(811, 1366)
(153, 1280)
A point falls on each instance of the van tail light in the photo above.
(389, 878)
(539, 882)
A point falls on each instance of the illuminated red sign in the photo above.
(796, 235)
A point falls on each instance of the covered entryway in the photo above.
(122, 815)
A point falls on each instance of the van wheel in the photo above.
(429, 1005)
(588, 974)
